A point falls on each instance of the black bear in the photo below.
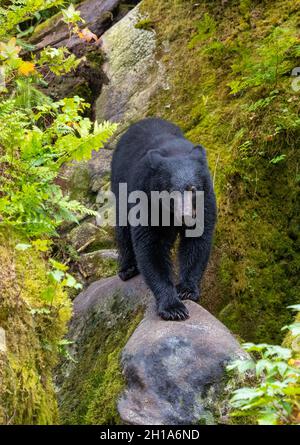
(154, 155)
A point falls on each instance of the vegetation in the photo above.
(90, 394)
(274, 376)
(238, 100)
(37, 137)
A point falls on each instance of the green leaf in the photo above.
(253, 347)
(48, 294)
(262, 365)
(282, 368)
(293, 328)
(71, 282)
(41, 310)
(58, 265)
(292, 390)
(268, 418)
(277, 159)
(241, 366)
(56, 275)
(279, 351)
(246, 394)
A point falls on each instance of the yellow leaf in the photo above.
(87, 35)
(26, 68)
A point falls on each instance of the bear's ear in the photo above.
(199, 152)
(155, 159)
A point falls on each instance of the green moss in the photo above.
(95, 266)
(33, 331)
(107, 268)
(46, 25)
(146, 24)
(79, 183)
(89, 395)
(258, 225)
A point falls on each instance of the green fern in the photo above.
(20, 10)
(206, 29)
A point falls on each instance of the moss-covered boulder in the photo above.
(230, 90)
(105, 316)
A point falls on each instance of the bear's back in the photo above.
(145, 135)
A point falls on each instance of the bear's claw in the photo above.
(177, 312)
(185, 293)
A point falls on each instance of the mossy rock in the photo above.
(33, 331)
(105, 316)
(257, 236)
(87, 237)
(98, 264)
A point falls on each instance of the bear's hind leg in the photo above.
(127, 262)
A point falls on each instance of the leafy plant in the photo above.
(58, 60)
(17, 11)
(274, 371)
(38, 135)
(205, 30)
(277, 159)
(37, 143)
(268, 64)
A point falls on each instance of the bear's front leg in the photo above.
(193, 258)
(153, 258)
(127, 262)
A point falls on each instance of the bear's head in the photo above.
(180, 169)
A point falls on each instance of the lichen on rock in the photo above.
(131, 68)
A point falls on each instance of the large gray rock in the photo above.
(98, 296)
(175, 370)
(131, 68)
(102, 315)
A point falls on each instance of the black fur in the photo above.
(175, 164)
